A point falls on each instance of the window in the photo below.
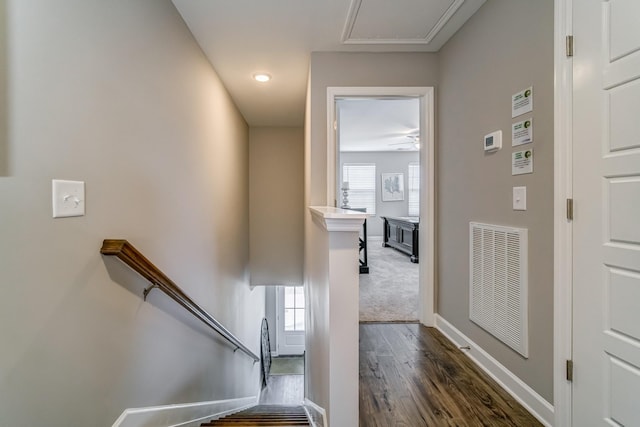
(414, 189)
(362, 185)
(294, 308)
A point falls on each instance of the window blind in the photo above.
(414, 189)
(362, 185)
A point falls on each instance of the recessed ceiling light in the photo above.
(262, 77)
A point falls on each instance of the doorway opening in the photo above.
(285, 312)
(378, 143)
(370, 128)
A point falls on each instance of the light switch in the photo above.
(68, 198)
(519, 198)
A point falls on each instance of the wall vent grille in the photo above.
(498, 291)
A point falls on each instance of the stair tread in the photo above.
(267, 417)
(264, 415)
(224, 422)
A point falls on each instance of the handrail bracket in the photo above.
(147, 290)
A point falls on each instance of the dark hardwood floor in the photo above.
(413, 376)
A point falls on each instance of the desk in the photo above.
(402, 233)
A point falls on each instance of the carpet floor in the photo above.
(390, 291)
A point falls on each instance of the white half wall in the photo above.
(332, 300)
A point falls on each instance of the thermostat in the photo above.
(493, 141)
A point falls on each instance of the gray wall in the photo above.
(394, 161)
(118, 94)
(4, 132)
(276, 191)
(276, 210)
(338, 69)
(507, 46)
(355, 69)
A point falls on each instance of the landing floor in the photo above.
(283, 390)
(413, 376)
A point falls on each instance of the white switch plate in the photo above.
(68, 198)
(519, 198)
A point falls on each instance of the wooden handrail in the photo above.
(134, 259)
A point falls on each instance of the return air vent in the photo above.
(498, 300)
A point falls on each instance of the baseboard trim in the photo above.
(525, 395)
(309, 404)
(184, 414)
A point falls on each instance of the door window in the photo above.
(293, 308)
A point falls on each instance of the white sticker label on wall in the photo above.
(522, 102)
(522, 162)
(522, 132)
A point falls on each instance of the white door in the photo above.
(606, 227)
(290, 320)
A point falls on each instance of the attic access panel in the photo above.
(397, 21)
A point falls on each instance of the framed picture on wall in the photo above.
(392, 187)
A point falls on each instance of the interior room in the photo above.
(379, 173)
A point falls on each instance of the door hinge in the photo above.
(569, 370)
(569, 42)
(570, 209)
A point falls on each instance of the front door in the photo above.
(606, 190)
(290, 320)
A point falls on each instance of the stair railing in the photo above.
(124, 251)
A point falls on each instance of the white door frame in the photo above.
(426, 307)
(563, 190)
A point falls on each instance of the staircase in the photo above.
(265, 415)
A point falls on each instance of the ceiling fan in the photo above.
(412, 141)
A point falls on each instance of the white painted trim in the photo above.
(427, 192)
(427, 236)
(317, 408)
(353, 15)
(525, 395)
(278, 321)
(184, 414)
(563, 189)
(337, 219)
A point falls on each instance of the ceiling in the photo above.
(244, 37)
(370, 124)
